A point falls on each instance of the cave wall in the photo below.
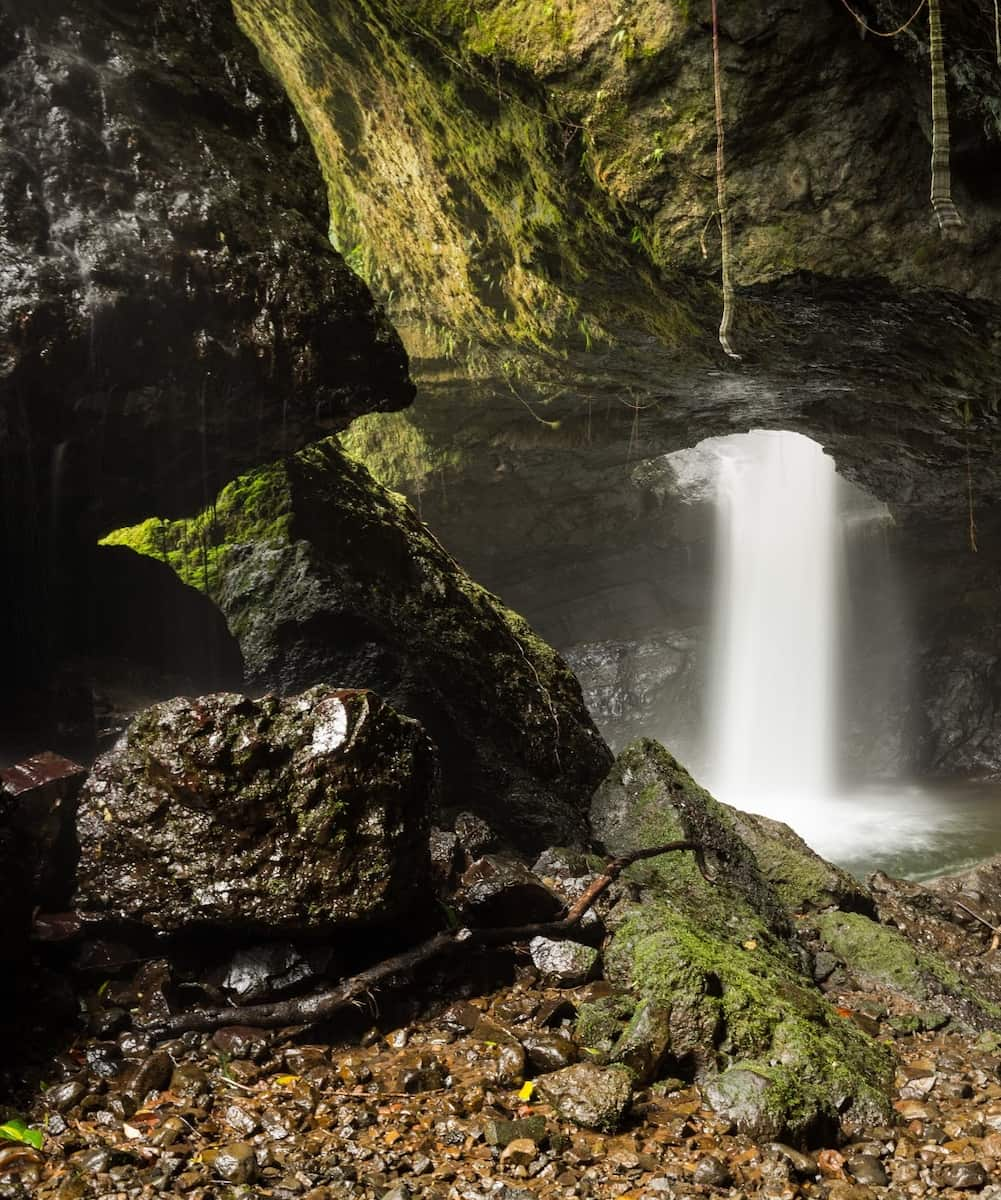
(559, 295)
(551, 167)
(170, 311)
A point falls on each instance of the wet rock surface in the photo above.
(307, 814)
(171, 310)
(326, 577)
(328, 1119)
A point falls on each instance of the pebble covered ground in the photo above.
(439, 1109)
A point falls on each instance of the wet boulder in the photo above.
(592, 1096)
(305, 815)
(325, 577)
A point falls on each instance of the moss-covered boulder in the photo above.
(326, 577)
(803, 881)
(302, 815)
(881, 955)
(718, 958)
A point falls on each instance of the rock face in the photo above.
(326, 577)
(307, 814)
(828, 153)
(171, 312)
(828, 168)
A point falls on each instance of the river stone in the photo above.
(302, 814)
(563, 963)
(866, 1168)
(547, 1051)
(592, 1096)
(235, 1162)
(645, 1041)
(745, 1097)
(963, 1175)
(500, 891)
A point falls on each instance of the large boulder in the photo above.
(326, 577)
(717, 960)
(300, 815)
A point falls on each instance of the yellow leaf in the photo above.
(527, 1088)
(286, 1080)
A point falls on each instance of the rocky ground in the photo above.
(496, 1095)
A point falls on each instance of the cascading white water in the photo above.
(773, 706)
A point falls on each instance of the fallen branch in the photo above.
(309, 1010)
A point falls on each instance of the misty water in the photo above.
(776, 668)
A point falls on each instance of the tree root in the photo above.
(352, 992)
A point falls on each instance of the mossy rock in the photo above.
(720, 959)
(601, 1022)
(878, 954)
(803, 880)
(647, 799)
(325, 577)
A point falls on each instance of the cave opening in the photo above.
(801, 674)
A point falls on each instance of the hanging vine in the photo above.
(997, 33)
(724, 215)
(941, 178)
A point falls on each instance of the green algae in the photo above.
(883, 955)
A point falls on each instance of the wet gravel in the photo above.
(439, 1110)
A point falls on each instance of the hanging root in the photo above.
(941, 179)
(724, 215)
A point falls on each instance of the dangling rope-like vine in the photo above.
(724, 215)
(997, 32)
(941, 179)
(860, 20)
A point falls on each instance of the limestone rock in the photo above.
(305, 814)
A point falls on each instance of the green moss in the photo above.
(743, 1001)
(875, 951)
(397, 451)
(456, 188)
(255, 508)
(883, 955)
(803, 881)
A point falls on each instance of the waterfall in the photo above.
(773, 706)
